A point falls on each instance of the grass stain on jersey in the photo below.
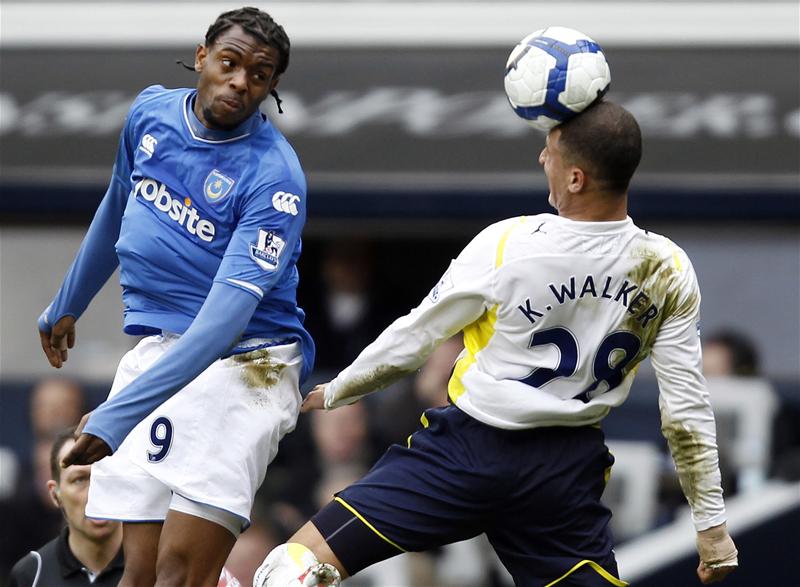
(657, 276)
(377, 378)
(696, 473)
(259, 370)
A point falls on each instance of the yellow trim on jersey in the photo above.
(476, 336)
(408, 441)
(597, 568)
(501, 245)
(368, 525)
(677, 261)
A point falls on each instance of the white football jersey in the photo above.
(557, 315)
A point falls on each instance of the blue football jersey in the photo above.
(203, 206)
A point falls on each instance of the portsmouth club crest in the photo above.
(217, 186)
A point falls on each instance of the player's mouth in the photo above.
(231, 105)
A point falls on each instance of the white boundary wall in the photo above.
(655, 550)
(406, 24)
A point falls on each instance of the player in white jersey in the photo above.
(557, 312)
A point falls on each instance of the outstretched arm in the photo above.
(464, 293)
(93, 265)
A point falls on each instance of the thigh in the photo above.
(192, 551)
(428, 493)
(140, 544)
(554, 529)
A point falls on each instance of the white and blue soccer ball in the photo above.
(554, 74)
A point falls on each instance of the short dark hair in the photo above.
(257, 23)
(607, 140)
(58, 443)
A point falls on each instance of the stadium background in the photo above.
(397, 112)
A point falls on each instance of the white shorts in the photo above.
(210, 443)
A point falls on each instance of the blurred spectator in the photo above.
(745, 406)
(334, 480)
(86, 552)
(729, 353)
(340, 437)
(343, 317)
(56, 403)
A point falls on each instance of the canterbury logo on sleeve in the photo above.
(285, 202)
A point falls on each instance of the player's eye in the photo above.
(227, 62)
(260, 76)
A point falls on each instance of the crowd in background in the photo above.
(328, 450)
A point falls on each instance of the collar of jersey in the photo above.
(209, 135)
(590, 226)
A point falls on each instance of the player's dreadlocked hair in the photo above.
(259, 24)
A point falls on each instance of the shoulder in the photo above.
(25, 571)
(501, 230)
(489, 244)
(158, 93)
(499, 240)
(154, 96)
(279, 164)
(658, 247)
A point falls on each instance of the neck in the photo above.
(597, 208)
(95, 555)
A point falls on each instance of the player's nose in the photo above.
(238, 80)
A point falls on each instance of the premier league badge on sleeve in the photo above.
(217, 186)
(445, 283)
(267, 250)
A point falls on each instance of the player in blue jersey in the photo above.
(203, 216)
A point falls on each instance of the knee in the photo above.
(138, 573)
(294, 565)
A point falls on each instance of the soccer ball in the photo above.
(554, 74)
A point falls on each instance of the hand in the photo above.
(718, 554)
(87, 449)
(315, 400)
(56, 342)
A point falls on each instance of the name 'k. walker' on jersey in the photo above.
(557, 315)
(207, 205)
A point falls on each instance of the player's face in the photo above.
(72, 492)
(555, 169)
(237, 72)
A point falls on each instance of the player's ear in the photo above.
(200, 55)
(577, 180)
(52, 491)
(274, 84)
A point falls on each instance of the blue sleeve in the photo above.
(97, 256)
(266, 241)
(214, 331)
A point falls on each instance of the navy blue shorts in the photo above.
(535, 493)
